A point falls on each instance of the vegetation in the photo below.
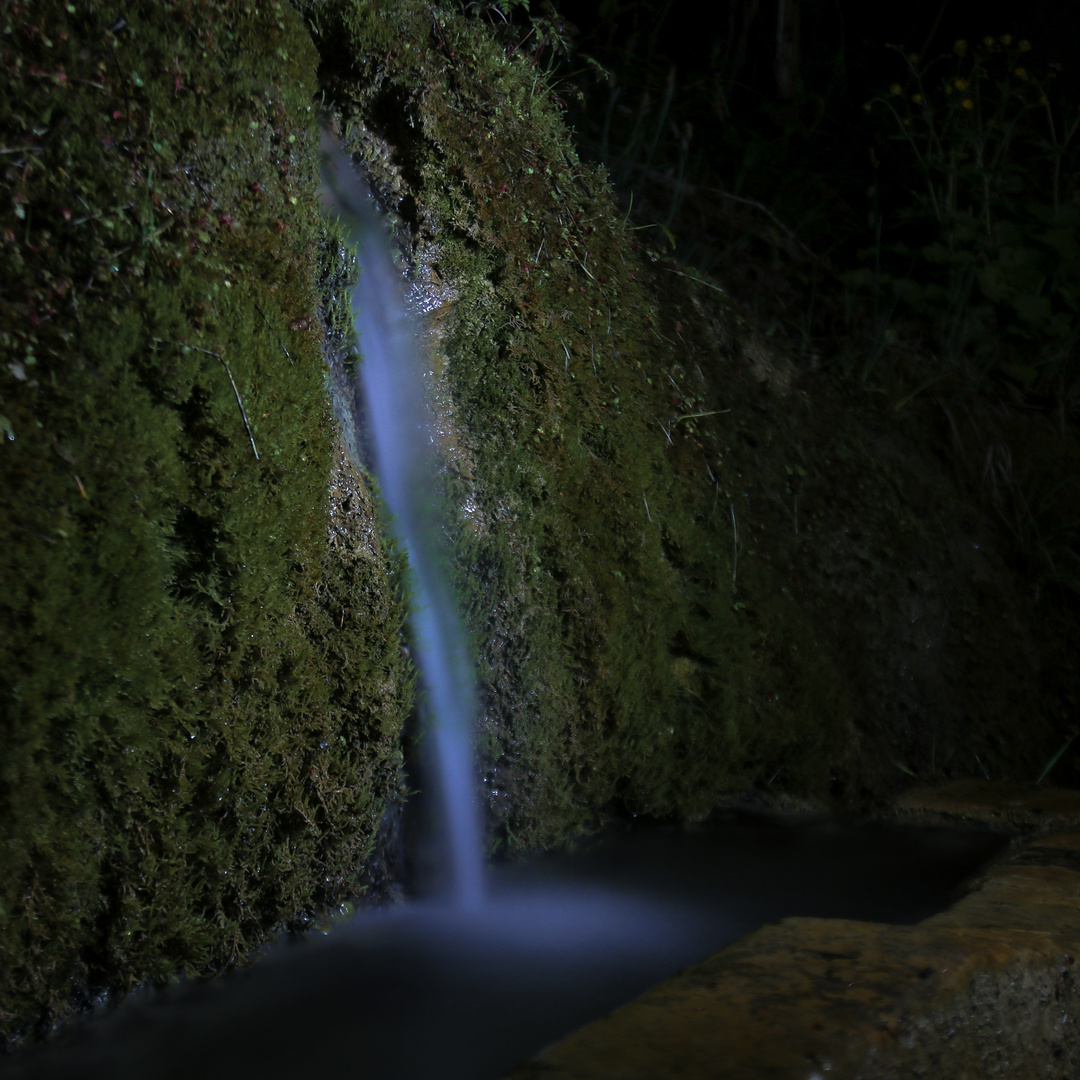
(201, 684)
(963, 286)
(631, 659)
(918, 246)
(695, 554)
(998, 209)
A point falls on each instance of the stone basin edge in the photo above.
(985, 989)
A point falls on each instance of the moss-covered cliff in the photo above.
(688, 565)
(201, 682)
(625, 659)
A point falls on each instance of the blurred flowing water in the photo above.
(400, 432)
(468, 983)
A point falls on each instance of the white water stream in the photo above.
(399, 421)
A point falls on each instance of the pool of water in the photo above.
(421, 991)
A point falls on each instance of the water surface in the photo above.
(430, 991)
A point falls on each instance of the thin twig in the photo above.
(765, 210)
(690, 277)
(232, 383)
(240, 404)
(275, 333)
(695, 415)
(1054, 760)
(735, 559)
(664, 430)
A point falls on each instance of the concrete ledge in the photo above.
(986, 989)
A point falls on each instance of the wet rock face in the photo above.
(689, 564)
(940, 641)
(856, 1000)
(580, 441)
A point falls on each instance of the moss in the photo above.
(201, 682)
(683, 573)
(619, 665)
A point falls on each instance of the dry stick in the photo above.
(934, 29)
(695, 415)
(232, 383)
(690, 277)
(663, 429)
(243, 415)
(275, 333)
(807, 251)
(735, 560)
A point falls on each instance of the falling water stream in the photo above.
(465, 984)
(392, 379)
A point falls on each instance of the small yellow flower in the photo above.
(913, 57)
(968, 103)
(1025, 46)
(988, 40)
(1006, 39)
(1043, 99)
(1020, 73)
(895, 89)
(917, 98)
(960, 47)
(868, 105)
(961, 84)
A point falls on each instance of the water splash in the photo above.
(391, 374)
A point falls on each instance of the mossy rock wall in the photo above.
(629, 657)
(201, 680)
(688, 566)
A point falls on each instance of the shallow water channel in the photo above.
(423, 991)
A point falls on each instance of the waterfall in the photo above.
(391, 374)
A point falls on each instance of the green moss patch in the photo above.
(688, 565)
(201, 686)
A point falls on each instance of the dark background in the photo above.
(758, 126)
(693, 36)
